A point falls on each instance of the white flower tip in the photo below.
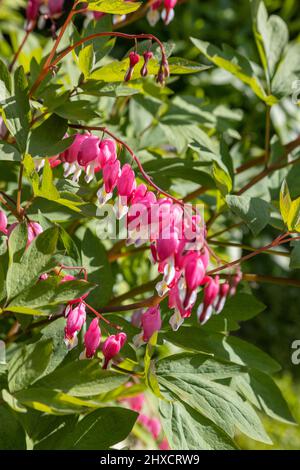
(176, 321)
(138, 340)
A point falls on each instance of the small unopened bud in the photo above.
(134, 59)
(147, 56)
(166, 68)
(160, 78)
(32, 10)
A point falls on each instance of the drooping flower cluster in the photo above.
(163, 9)
(75, 314)
(176, 235)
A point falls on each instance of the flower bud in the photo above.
(32, 10)
(92, 338)
(160, 78)
(112, 346)
(3, 223)
(55, 7)
(111, 175)
(148, 55)
(89, 150)
(75, 321)
(3, 128)
(151, 322)
(126, 182)
(134, 59)
(108, 151)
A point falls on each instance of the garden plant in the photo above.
(135, 197)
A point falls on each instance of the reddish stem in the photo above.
(81, 269)
(49, 64)
(101, 317)
(28, 31)
(131, 152)
(277, 242)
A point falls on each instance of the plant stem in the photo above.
(26, 36)
(147, 178)
(8, 206)
(248, 248)
(49, 64)
(271, 280)
(227, 229)
(98, 315)
(278, 241)
(148, 286)
(19, 194)
(267, 136)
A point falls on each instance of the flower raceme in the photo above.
(177, 239)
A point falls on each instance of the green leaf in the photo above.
(294, 216)
(46, 188)
(52, 402)
(115, 71)
(271, 34)
(9, 152)
(70, 246)
(255, 212)
(47, 139)
(242, 306)
(150, 375)
(47, 293)
(80, 110)
(86, 60)
(99, 430)
(217, 402)
(114, 7)
(17, 110)
(223, 179)
(5, 82)
(187, 364)
(164, 170)
(186, 429)
(288, 72)
(37, 259)
(285, 202)
(89, 379)
(94, 259)
(3, 270)
(17, 242)
(55, 332)
(12, 435)
(235, 64)
(28, 364)
(295, 256)
(260, 390)
(228, 348)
